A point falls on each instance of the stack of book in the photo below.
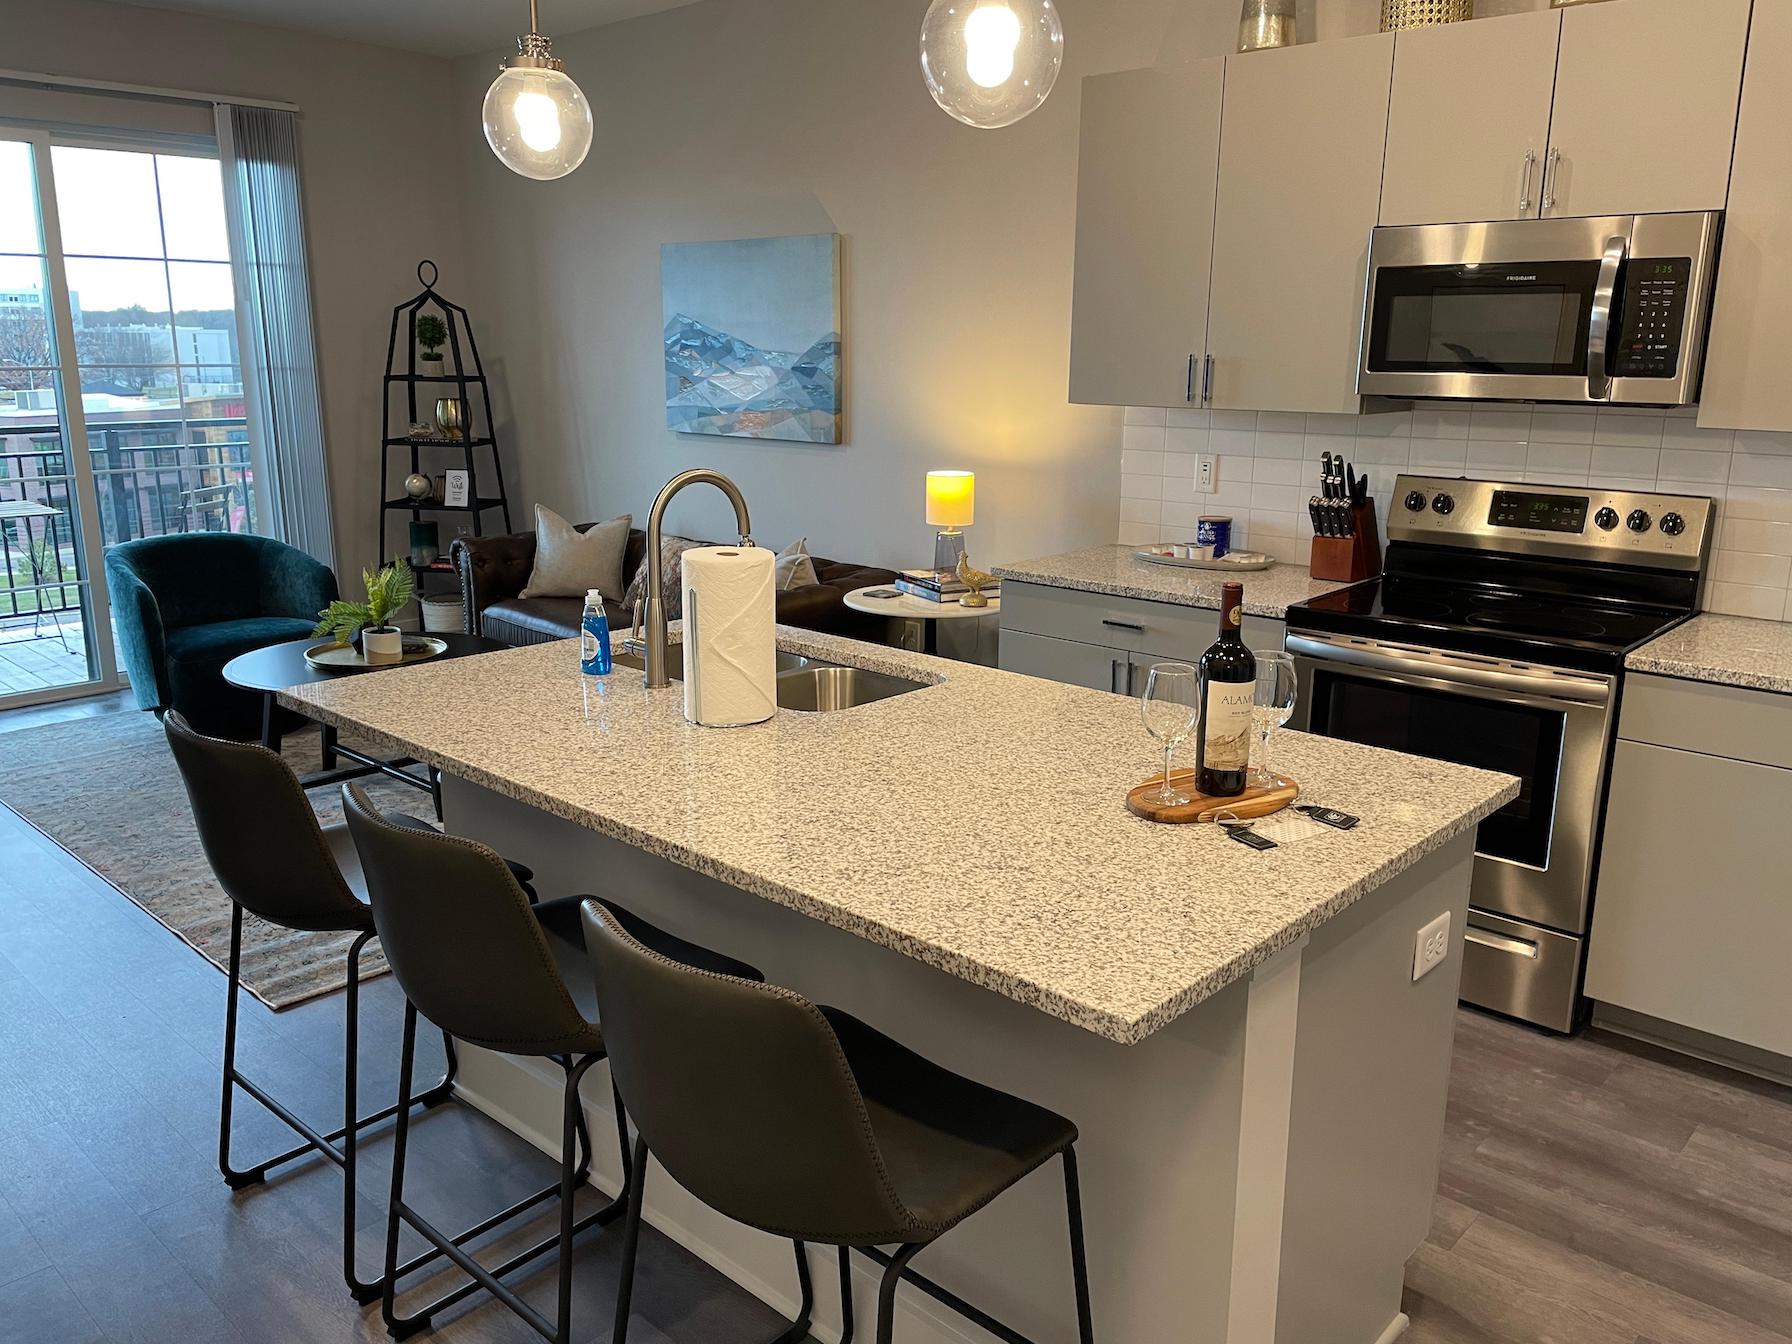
(937, 585)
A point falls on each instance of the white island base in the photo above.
(1256, 1172)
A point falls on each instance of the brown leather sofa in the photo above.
(494, 570)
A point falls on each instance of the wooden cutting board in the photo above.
(1255, 801)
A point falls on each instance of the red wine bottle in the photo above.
(1228, 685)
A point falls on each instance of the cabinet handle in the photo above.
(1132, 670)
(1552, 172)
(1124, 625)
(1524, 191)
(1206, 379)
(1114, 675)
(1499, 942)
(1189, 394)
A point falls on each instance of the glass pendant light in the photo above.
(536, 119)
(991, 62)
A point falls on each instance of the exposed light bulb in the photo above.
(991, 35)
(537, 120)
(991, 62)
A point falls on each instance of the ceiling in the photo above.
(439, 27)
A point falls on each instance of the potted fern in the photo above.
(431, 332)
(388, 590)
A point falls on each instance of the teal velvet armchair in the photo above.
(186, 605)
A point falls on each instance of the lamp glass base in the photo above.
(947, 547)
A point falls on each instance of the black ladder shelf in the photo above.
(463, 373)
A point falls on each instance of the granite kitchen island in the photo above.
(1258, 1079)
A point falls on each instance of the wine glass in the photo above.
(1170, 707)
(1272, 704)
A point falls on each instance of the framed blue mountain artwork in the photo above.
(752, 332)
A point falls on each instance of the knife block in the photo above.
(1354, 558)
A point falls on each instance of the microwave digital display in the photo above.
(1538, 513)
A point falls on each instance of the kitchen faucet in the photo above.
(649, 633)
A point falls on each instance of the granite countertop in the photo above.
(1113, 569)
(1727, 650)
(1024, 872)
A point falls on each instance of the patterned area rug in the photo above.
(106, 789)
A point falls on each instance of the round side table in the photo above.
(920, 617)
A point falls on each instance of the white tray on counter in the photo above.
(1239, 562)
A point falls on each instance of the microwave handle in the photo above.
(1599, 325)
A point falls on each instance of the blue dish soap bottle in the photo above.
(594, 637)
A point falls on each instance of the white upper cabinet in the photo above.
(1300, 190)
(1468, 125)
(1745, 373)
(1645, 106)
(1144, 235)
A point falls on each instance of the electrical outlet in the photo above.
(1431, 946)
(1207, 473)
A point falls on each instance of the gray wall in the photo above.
(378, 137)
(745, 118)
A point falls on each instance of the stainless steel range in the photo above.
(1496, 638)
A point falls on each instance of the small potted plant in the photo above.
(431, 332)
(388, 591)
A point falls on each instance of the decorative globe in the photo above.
(537, 122)
(991, 62)
(418, 486)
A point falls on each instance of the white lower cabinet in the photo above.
(1108, 643)
(1693, 914)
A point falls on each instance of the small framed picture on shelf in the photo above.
(456, 493)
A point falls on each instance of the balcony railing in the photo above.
(152, 477)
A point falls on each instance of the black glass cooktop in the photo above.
(1556, 630)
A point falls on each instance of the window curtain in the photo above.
(259, 149)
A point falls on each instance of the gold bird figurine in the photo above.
(974, 579)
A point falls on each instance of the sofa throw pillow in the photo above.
(795, 568)
(570, 563)
(672, 551)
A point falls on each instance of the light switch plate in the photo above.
(1431, 946)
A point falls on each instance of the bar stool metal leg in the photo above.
(324, 1145)
(1079, 1256)
(575, 1167)
(886, 1291)
(796, 1331)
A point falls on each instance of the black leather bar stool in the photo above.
(806, 1123)
(275, 860)
(476, 959)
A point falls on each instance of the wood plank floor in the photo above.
(1594, 1191)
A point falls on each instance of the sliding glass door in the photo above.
(122, 409)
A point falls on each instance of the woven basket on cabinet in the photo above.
(1398, 14)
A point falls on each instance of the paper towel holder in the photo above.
(650, 628)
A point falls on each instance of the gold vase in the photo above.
(450, 418)
(1399, 14)
(1266, 24)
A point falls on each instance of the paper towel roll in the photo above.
(730, 648)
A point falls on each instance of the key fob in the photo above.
(1245, 837)
(1330, 816)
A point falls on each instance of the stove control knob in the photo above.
(1673, 524)
(1639, 521)
(1415, 501)
(1443, 504)
(1606, 518)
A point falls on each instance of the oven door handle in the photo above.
(1599, 324)
(1534, 684)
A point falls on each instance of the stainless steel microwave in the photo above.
(1610, 310)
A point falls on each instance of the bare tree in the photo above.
(24, 344)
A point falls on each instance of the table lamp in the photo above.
(950, 499)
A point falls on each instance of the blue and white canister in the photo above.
(1214, 530)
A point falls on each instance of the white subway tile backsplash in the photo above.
(1622, 428)
(1269, 465)
(1634, 463)
(1188, 439)
(1440, 422)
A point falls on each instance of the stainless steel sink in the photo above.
(807, 685)
(823, 688)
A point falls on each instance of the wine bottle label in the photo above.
(1226, 725)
